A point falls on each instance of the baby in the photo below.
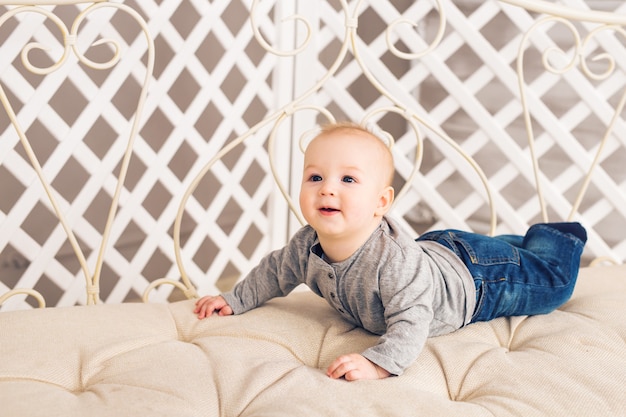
(379, 278)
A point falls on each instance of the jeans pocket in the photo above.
(485, 250)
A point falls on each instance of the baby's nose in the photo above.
(327, 188)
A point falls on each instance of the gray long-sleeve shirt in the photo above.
(393, 286)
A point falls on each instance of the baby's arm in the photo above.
(355, 366)
(276, 275)
(208, 304)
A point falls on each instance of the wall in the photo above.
(213, 82)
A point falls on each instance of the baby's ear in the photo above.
(385, 200)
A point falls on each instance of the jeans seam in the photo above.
(554, 231)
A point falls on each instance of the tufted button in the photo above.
(341, 310)
(330, 275)
(332, 295)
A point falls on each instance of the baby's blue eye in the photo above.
(348, 179)
(315, 178)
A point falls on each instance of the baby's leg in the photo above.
(542, 280)
(560, 244)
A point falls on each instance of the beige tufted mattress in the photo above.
(132, 359)
(158, 359)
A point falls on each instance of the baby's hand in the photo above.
(208, 304)
(355, 366)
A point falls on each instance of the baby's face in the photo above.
(344, 176)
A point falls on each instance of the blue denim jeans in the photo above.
(519, 275)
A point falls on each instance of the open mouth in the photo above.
(328, 210)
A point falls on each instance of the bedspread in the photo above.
(159, 359)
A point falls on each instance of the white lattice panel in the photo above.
(468, 86)
(210, 85)
(214, 84)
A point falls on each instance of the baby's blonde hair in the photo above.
(346, 126)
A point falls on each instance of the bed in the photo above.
(94, 323)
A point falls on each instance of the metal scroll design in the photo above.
(70, 37)
(349, 43)
(559, 62)
(578, 58)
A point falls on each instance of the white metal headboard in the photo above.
(73, 47)
(397, 65)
